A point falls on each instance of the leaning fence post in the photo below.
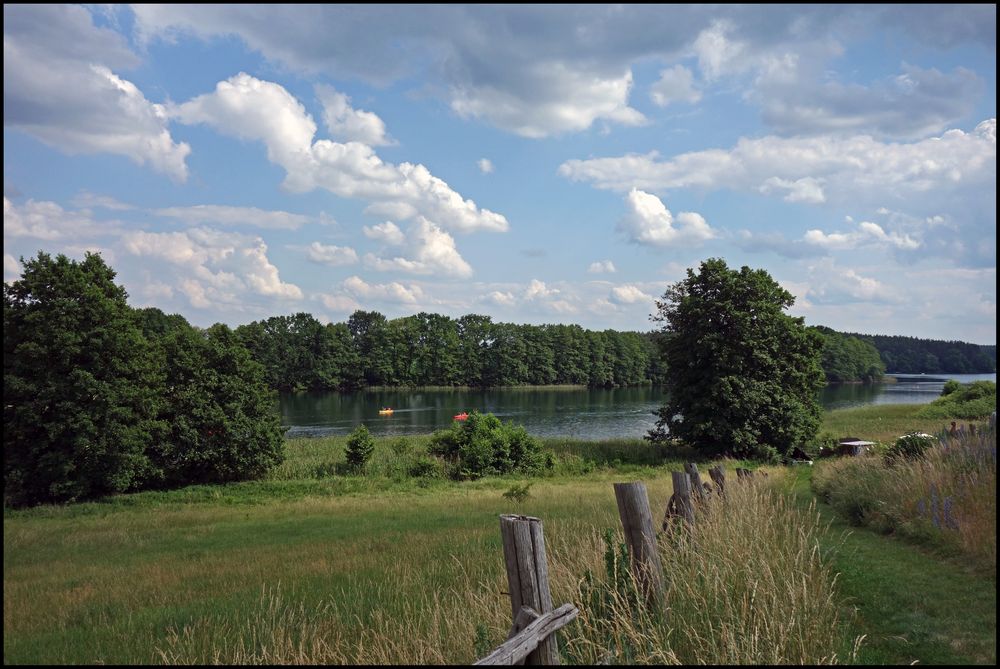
(682, 505)
(692, 472)
(528, 576)
(718, 475)
(637, 520)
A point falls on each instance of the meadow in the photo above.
(314, 566)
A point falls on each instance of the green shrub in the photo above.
(518, 493)
(909, 447)
(950, 386)
(969, 402)
(482, 445)
(360, 446)
(401, 446)
(426, 467)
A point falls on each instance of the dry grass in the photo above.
(947, 497)
(749, 587)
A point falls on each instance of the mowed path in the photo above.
(913, 605)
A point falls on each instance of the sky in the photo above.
(535, 163)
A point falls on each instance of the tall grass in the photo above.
(946, 497)
(750, 586)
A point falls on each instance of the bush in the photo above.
(427, 467)
(360, 446)
(969, 402)
(950, 386)
(482, 445)
(909, 447)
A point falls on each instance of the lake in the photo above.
(548, 412)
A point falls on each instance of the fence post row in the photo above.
(680, 503)
(528, 579)
(718, 475)
(637, 520)
(692, 471)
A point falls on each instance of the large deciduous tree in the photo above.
(80, 400)
(741, 375)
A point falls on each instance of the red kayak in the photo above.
(461, 416)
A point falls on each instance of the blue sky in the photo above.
(539, 164)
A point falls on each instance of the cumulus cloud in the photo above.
(387, 232)
(11, 268)
(649, 222)
(485, 165)
(215, 269)
(393, 292)
(252, 109)
(233, 216)
(59, 87)
(806, 189)
(628, 294)
(349, 124)
(866, 233)
(601, 267)
(328, 254)
(847, 165)
(429, 249)
(676, 84)
(47, 220)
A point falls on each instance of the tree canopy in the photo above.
(741, 375)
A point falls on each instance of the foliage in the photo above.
(360, 446)
(80, 388)
(741, 375)
(909, 447)
(483, 445)
(911, 355)
(221, 421)
(950, 386)
(971, 401)
(518, 493)
(847, 358)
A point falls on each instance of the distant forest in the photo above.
(300, 353)
(909, 355)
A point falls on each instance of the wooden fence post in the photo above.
(718, 475)
(528, 576)
(692, 472)
(680, 504)
(633, 509)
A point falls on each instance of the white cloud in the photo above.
(216, 269)
(500, 298)
(340, 303)
(601, 267)
(831, 284)
(328, 254)
(553, 99)
(847, 165)
(867, 233)
(87, 200)
(430, 249)
(485, 165)
(718, 54)
(393, 292)
(387, 232)
(629, 294)
(349, 124)
(59, 88)
(235, 216)
(676, 84)
(11, 268)
(250, 108)
(807, 189)
(48, 221)
(649, 222)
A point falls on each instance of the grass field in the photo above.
(312, 566)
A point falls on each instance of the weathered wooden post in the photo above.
(682, 505)
(718, 475)
(692, 472)
(633, 509)
(528, 578)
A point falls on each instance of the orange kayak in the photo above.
(461, 416)
(385, 412)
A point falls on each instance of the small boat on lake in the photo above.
(461, 416)
(385, 412)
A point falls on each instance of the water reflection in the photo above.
(571, 412)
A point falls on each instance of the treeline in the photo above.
(910, 355)
(101, 398)
(847, 358)
(300, 353)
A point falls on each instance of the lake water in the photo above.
(570, 412)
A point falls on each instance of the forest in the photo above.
(910, 355)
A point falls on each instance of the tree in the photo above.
(360, 446)
(742, 376)
(80, 400)
(219, 409)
